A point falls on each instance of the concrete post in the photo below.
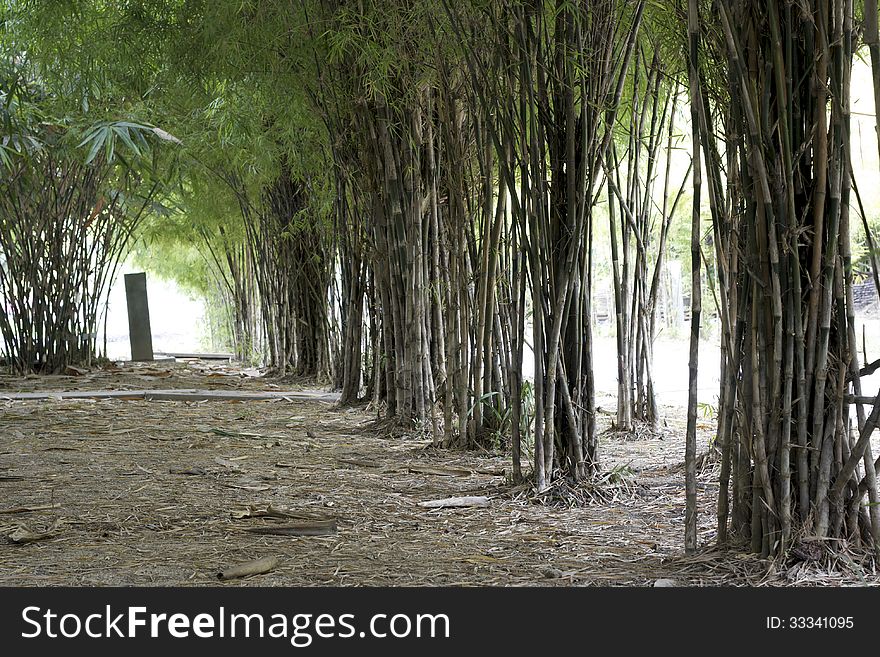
(139, 334)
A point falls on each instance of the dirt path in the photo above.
(158, 493)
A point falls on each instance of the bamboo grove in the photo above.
(406, 200)
(781, 226)
(66, 219)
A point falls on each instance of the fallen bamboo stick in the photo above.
(455, 502)
(307, 528)
(255, 567)
(29, 509)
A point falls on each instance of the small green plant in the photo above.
(707, 411)
(619, 474)
(499, 418)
